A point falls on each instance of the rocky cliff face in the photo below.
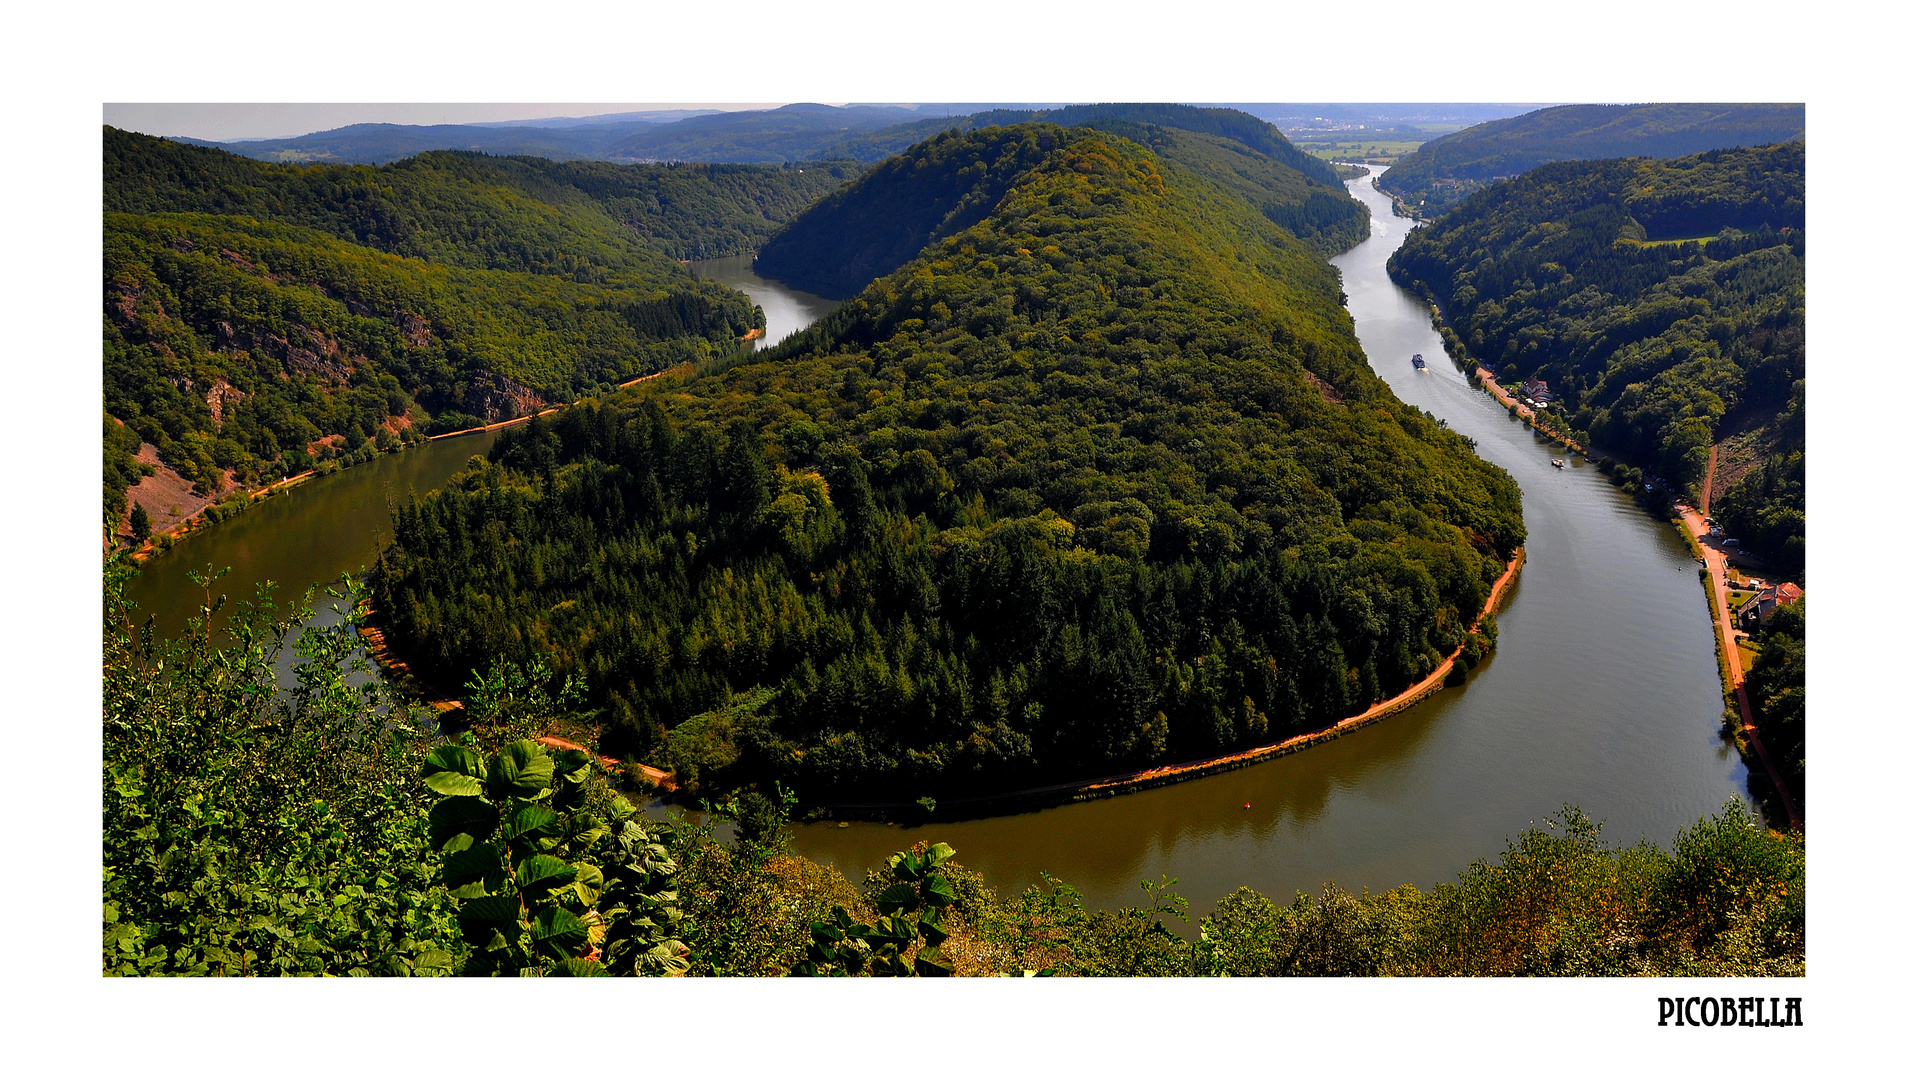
(498, 397)
(222, 395)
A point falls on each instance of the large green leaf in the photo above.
(933, 930)
(489, 911)
(461, 814)
(939, 854)
(528, 820)
(930, 963)
(937, 892)
(897, 898)
(472, 864)
(521, 769)
(891, 930)
(572, 765)
(544, 872)
(575, 968)
(558, 932)
(454, 770)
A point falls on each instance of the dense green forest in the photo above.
(310, 826)
(1230, 125)
(260, 316)
(1777, 692)
(947, 183)
(1102, 479)
(1442, 172)
(1661, 301)
(480, 212)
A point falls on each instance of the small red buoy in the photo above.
(1248, 806)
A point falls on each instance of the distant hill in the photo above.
(761, 136)
(1441, 172)
(264, 318)
(1241, 127)
(377, 144)
(894, 216)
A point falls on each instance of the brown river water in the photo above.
(1603, 693)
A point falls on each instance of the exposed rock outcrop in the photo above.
(498, 397)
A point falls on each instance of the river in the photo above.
(1602, 694)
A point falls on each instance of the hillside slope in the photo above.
(1100, 479)
(949, 182)
(1441, 172)
(257, 318)
(1663, 303)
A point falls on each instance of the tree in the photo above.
(141, 524)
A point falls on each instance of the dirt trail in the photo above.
(1718, 565)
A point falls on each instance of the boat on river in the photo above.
(1557, 461)
(1417, 360)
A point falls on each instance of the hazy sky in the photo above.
(221, 122)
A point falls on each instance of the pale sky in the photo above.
(226, 121)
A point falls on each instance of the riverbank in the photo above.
(1738, 717)
(1731, 668)
(221, 509)
(514, 421)
(1160, 775)
(204, 517)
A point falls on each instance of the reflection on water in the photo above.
(1603, 694)
(304, 537)
(786, 309)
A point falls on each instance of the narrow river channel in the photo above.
(1603, 693)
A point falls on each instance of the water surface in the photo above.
(1603, 694)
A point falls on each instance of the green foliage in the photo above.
(1064, 493)
(899, 941)
(546, 882)
(1443, 171)
(951, 180)
(1657, 350)
(1777, 687)
(1727, 900)
(251, 828)
(119, 468)
(263, 318)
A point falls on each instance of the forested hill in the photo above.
(259, 318)
(1100, 480)
(1231, 124)
(948, 182)
(1662, 301)
(1443, 171)
(540, 216)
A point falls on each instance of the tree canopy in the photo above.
(1101, 478)
(1442, 172)
(259, 316)
(1663, 304)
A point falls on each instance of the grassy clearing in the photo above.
(1365, 149)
